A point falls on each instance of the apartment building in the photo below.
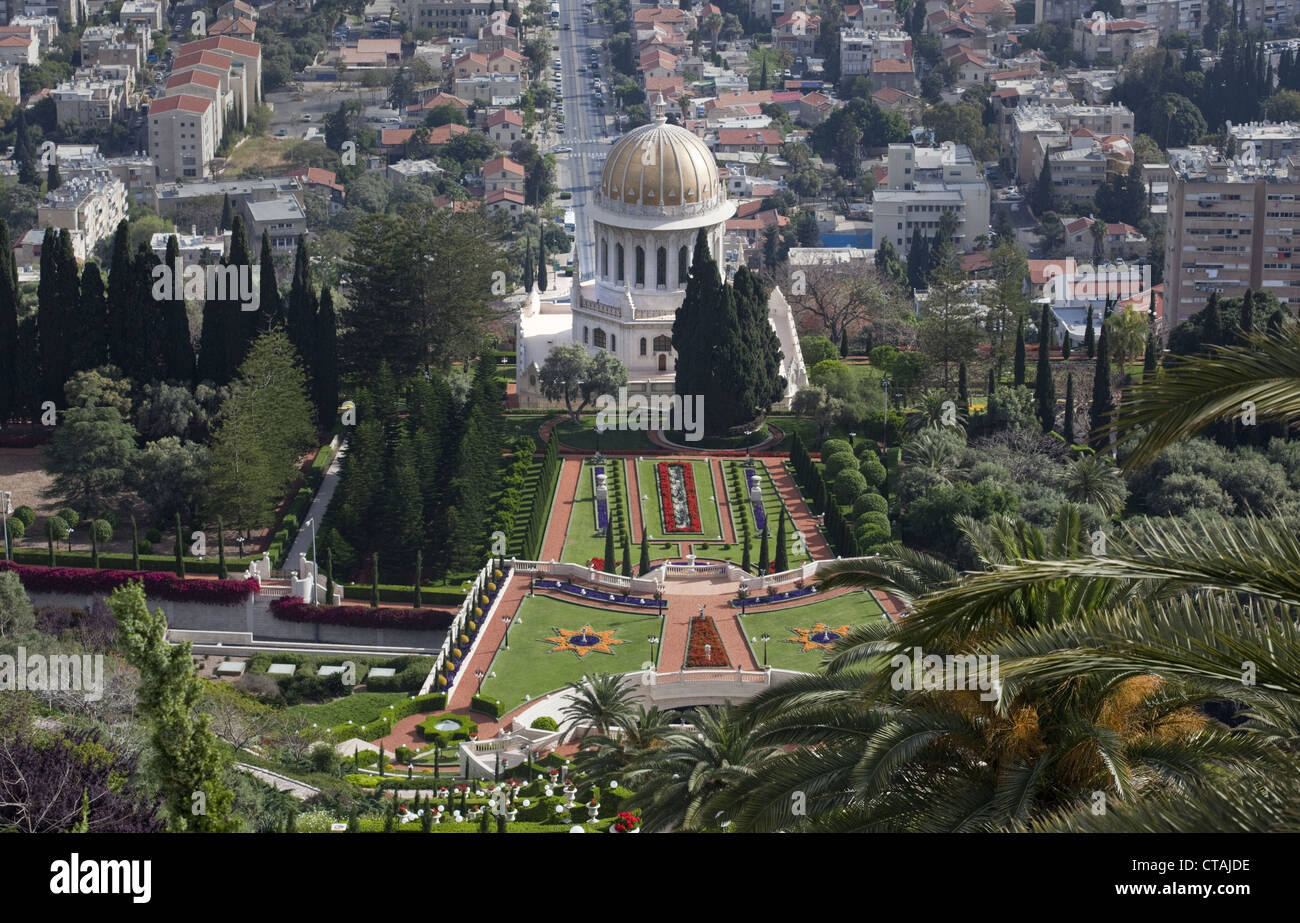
(88, 101)
(137, 172)
(860, 47)
(460, 17)
(1264, 140)
(183, 135)
(245, 61)
(89, 207)
(170, 199)
(1027, 124)
(1114, 41)
(922, 184)
(796, 32)
(146, 15)
(1231, 225)
(194, 246)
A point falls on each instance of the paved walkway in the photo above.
(802, 516)
(775, 435)
(633, 486)
(319, 504)
(281, 783)
(722, 490)
(566, 488)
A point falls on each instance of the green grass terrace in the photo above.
(788, 649)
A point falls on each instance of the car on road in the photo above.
(566, 27)
(562, 150)
(306, 117)
(282, 133)
(1012, 195)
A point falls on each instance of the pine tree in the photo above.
(1068, 432)
(644, 564)
(963, 392)
(1102, 399)
(1044, 386)
(764, 559)
(325, 361)
(270, 309)
(1019, 372)
(221, 549)
(1090, 336)
(782, 557)
(180, 549)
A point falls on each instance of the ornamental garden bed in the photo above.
(293, 609)
(704, 646)
(38, 579)
(677, 501)
(444, 728)
(700, 510)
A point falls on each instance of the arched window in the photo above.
(598, 338)
(584, 336)
(640, 265)
(643, 346)
(663, 362)
(663, 344)
(683, 265)
(604, 258)
(618, 261)
(661, 268)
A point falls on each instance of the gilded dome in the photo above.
(660, 165)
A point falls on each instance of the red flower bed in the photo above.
(666, 498)
(293, 609)
(703, 632)
(40, 579)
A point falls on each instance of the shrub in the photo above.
(153, 536)
(290, 523)
(17, 529)
(146, 546)
(103, 530)
(56, 527)
(871, 536)
(872, 470)
(834, 447)
(464, 731)
(486, 706)
(849, 485)
(157, 585)
(26, 514)
(293, 609)
(111, 517)
(840, 461)
(70, 516)
(869, 502)
(875, 518)
(544, 723)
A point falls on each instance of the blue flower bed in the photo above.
(778, 598)
(581, 592)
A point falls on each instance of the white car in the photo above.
(562, 150)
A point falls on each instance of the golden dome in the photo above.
(660, 165)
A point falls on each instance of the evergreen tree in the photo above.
(746, 562)
(692, 338)
(1068, 429)
(1247, 324)
(1149, 361)
(221, 550)
(242, 324)
(374, 584)
(145, 355)
(782, 556)
(180, 549)
(227, 213)
(10, 382)
(270, 309)
(418, 600)
(627, 558)
(918, 260)
(302, 308)
(121, 295)
(963, 391)
(135, 544)
(844, 343)
(178, 349)
(1044, 386)
(530, 276)
(541, 262)
(25, 151)
(1019, 371)
(1089, 336)
(402, 520)
(52, 180)
(94, 547)
(1065, 345)
(764, 559)
(1212, 322)
(609, 549)
(1042, 197)
(1102, 399)
(992, 384)
(325, 361)
(644, 564)
(58, 296)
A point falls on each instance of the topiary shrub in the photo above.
(26, 514)
(544, 723)
(103, 530)
(849, 485)
(880, 520)
(111, 517)
(838, 462)
(153, 536)
(56, 527)
(465, 729)
(835, 446)
(872, 469)
(869, 502)
(870, 537)
(70, 516)
(146, 546)
(17, 529)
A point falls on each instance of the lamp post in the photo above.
(505, 620)
(765, 637)
(653, 639)
(6, 507)
(853, 440)
(885, 385)
(315, 571)
(479, 674)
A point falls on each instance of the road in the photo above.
(584, 129)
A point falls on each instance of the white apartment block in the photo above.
(922, 184)
(461, 17)
(859, 47)
(146, 15)
(1028, 123)
(88, 102)
(89, 207)
(137, 172)
(1231, 226)
(1270, 140)
(182, 136)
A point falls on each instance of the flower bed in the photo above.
(582, 592)
(293, 609)
(703, 632)
(769, 598)
(677, 497)
(38, 579)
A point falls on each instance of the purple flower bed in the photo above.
(597, 595)
(760, 514)
(39, 579)
(293, 609)
(602, 506)
(753, 601)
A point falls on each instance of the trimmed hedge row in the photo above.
(486, 706)
(148, 562)
(293, 609)
(535, 531)
(157, 585)
(395, 593)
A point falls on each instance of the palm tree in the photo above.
(611, 754)
(679, 784)
(1094, 479)
(603, 701)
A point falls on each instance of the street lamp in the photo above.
(479, 674)
(505, 620)
(765, 637)
(653, 639)
(885, 385)
(315, 570)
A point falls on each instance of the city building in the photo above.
(183, 135)
(89, 207)
(1113, 41)
(922, 184)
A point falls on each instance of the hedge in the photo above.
(485, 706)
(464, 731)
(293, 609)
(395, 593)
(124, 562)
(37, 579)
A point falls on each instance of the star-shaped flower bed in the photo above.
(582, 642)
(819, 637)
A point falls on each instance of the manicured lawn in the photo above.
(359, 708)
(742, 511)
(531, 667)
(584, 436)
(582, 542)
(782, 652)
(705, 499)
(518, 424)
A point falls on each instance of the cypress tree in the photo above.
(1149, 357)
(1247, 325)
(52, 180)
(211, 364)
(50, 556)
(1212, 323)
(1068, 429)
(1019, 375)
(627, 558)
(530, 275)
(1102, 401)
(746, 563)
(1065, 345)
(374, 579)
(50, 306)
(992, 384)
(25, 151)
(221, 550)
(644, 564)
(782, 558)
(146, 355)
(1044, 386)
(88, 332)
(180, 551)
(241, 327)
(135, 544)
(764, 559)
(541, 262)
(418, 600)
(10, 386)
(178, 361)
(963, 394)
(270, 309)
(329, 576)
(302, 307)
(325, 361)
(844, 343)
(609, 549)
(694, 326)
(94, 547)
(227, 214)
(1089, 337)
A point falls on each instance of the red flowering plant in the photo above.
(293, 609)
(39, 579)
(626, 822)
(704, 631)
(671, 523)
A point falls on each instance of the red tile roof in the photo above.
(183, 101)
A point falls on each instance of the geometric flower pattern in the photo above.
(819, 637)
(584, 641)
